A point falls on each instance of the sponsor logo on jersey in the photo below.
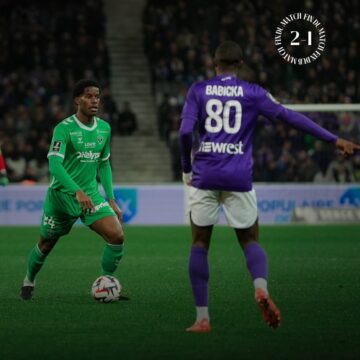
(221, 148)
(90, 145)
(101, 205)
(88, 155)
(80, 140)
(220, 90)
(56, 146)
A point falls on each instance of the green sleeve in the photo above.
(106, 178)
(105, 154)
(58, 143)
(57, 170)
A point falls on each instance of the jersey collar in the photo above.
(88, 128)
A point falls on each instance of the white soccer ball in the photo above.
(106, 289)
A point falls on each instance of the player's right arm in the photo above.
(270, 108)
(56, 157)
(189, 117)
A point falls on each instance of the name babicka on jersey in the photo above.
(220, 90)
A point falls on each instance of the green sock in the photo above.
(111, 258)
(35, 262)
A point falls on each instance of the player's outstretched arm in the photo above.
(346, 147)
(302, 122)
(272, 109)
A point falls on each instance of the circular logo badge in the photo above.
(300, 38)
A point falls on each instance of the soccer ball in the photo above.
(106, 289)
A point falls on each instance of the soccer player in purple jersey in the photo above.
(224, 110)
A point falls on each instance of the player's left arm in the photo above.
(189, 118)
(269, 107)
(304, 123)
(105, 174)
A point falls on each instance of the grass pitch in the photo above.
(314, 274)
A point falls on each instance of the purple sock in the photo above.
(256, 261)
(199, 275)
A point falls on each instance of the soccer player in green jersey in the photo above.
(80, 148)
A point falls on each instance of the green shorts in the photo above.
(61, 211)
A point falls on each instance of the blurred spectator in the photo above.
(180, 47)
(321, 155)
(37, 169)
(174, 147)
(16, 164)
(164, 112)
(340, 171)
(109, 107)
(3, 173)
(306, 167)
(41, 57)
(356, 164)
(127, 122)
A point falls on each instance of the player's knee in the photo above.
(46, 245)
(116, 237)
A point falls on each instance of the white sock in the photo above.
(202, 312)
(27, 282)
(261, 283)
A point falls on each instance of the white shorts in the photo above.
(240, 208)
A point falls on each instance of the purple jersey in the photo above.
(223, 110)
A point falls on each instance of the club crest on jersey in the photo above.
(100, 139)
(56, 146)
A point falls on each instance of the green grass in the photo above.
(314, 279)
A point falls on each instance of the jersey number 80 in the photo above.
(219, 116)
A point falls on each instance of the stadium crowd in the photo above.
(41, 57)
(180, 37)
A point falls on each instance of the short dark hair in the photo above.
(228, 54)
(82, 84)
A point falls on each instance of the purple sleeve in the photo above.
(303, 123)
(189, 117)
(266, 104)
(270, 108)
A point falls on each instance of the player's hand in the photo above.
(85, 202)
(346, 147)
(187, 178)
(116, 208)
(3, 180)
